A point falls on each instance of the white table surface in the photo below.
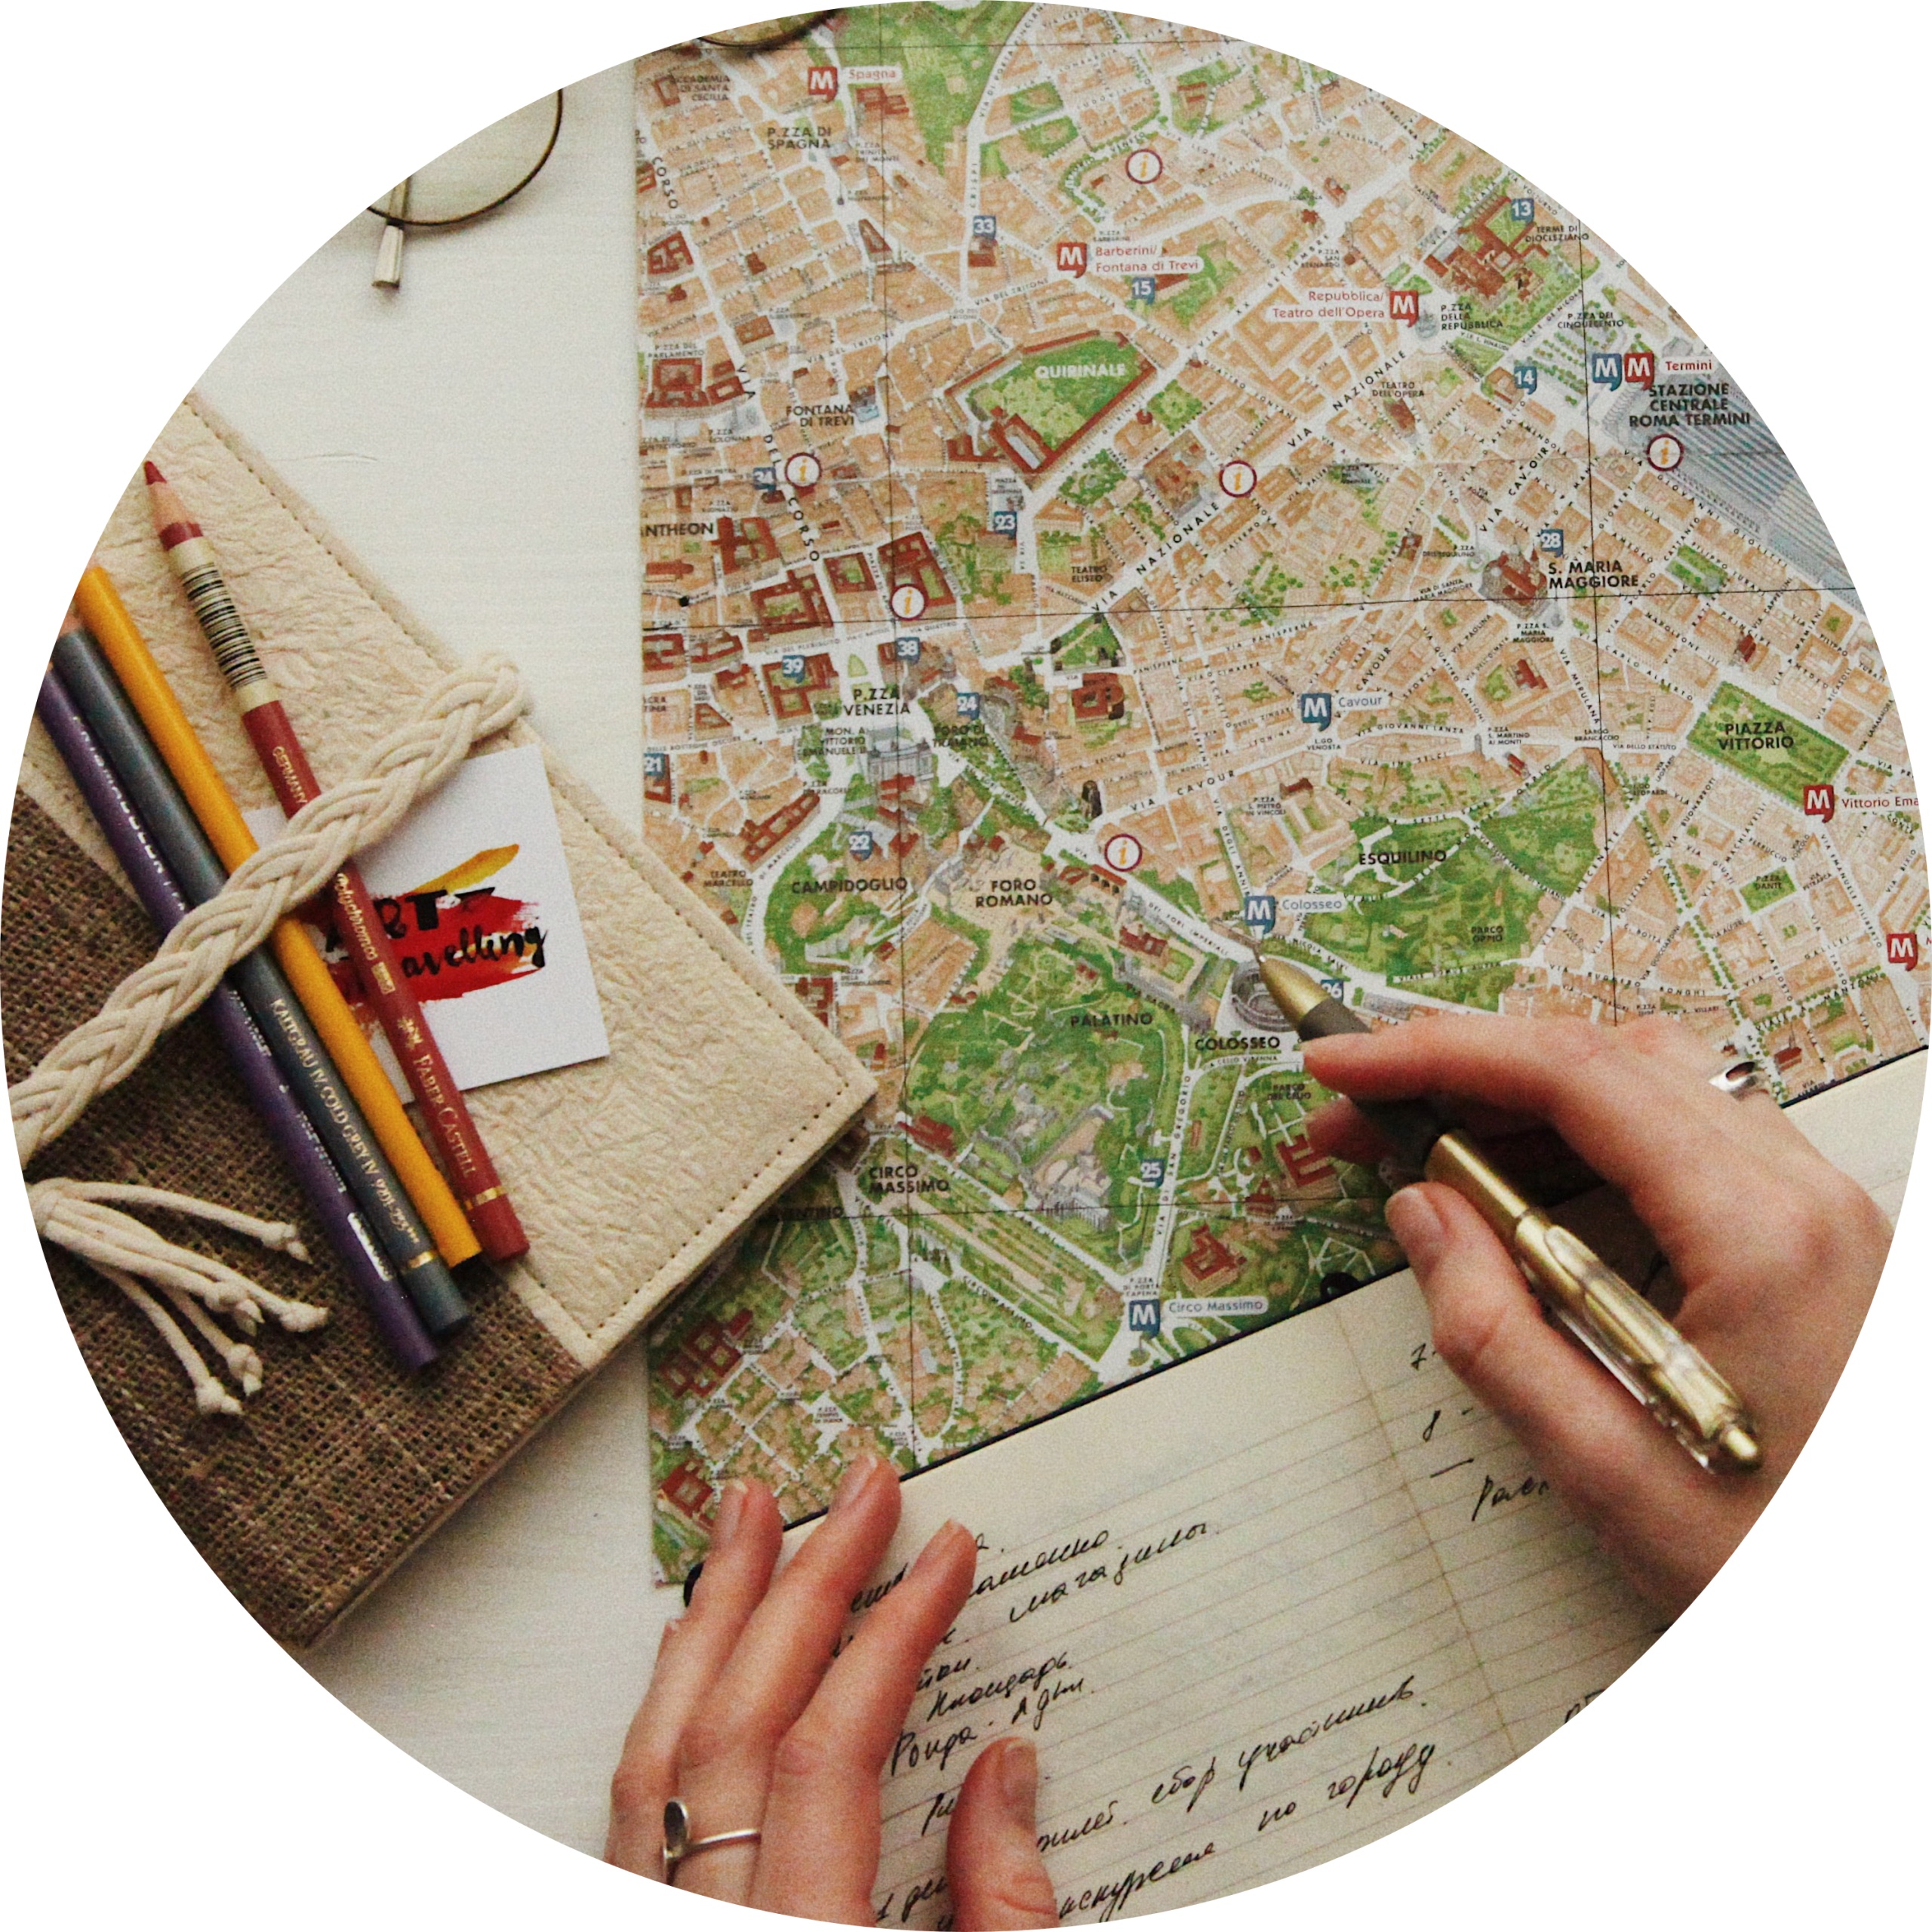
(470, 439)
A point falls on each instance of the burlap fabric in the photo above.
(337, 1466)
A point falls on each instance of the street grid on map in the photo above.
(1109, 490)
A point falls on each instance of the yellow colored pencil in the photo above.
(207, 794)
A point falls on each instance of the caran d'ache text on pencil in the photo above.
(283, 758)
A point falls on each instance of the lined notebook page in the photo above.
(1310, 1590)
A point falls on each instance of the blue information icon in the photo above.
(1550, 541)
(967, 704)
(859, 844)
(1259, 911)
(906, 650)
(1317, 708)
(1526, 377)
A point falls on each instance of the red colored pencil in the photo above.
(472, 1176)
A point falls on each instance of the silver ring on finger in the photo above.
(1743, 1078)
(680, 1845)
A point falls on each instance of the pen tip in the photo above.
(151, 474)
(1741, 1447)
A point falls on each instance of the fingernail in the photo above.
(1332, 1046)
(1019, 1780)
(853, 1481)
(1414, 1223)
(730, 1510)
(940, 1543)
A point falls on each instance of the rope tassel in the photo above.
(79, 1216)
(76, 1215)
(210, 1397)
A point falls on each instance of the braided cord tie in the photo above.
(81, 1216)
(285, 873)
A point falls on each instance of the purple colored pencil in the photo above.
(164, 901)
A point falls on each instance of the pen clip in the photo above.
(1645, 1352)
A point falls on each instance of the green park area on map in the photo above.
(945, 53)
(1060, 1069)
(1057, 391)
(1416, 917)
(1767, 745)
(1759, 893)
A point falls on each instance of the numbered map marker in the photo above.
(1144, 166)
(907, 600)
(1122, 851)
(1237, 478)
(803, 470)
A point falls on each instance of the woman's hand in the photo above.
(1777, 1253)
(752, 1723)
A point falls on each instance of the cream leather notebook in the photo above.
(630, 1171)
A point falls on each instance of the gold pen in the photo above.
(1580, 1289)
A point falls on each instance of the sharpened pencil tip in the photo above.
(172, 523)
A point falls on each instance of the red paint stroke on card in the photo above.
(449, 943)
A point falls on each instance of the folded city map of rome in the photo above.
(1108, 488)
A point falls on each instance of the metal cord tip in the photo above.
(1740, 1449)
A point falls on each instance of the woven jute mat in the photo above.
(339, 1464)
